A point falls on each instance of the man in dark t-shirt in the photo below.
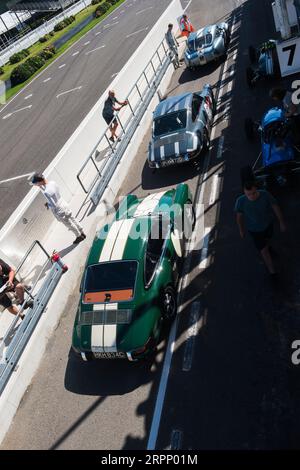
(108, 113)
(255, 211)
(8, 283)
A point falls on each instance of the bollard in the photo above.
(55, 258)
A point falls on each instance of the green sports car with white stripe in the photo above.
(129, 284)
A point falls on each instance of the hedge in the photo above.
(1, 70)
(62, 24)
(44, 38)
(18, 56)
(36, 62)
(22, 72)
(101, 9)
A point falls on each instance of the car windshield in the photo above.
(110, 281)
(170, 123)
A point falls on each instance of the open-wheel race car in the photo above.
(279, 157)
(264, 62)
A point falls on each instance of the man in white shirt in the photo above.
(173, 45)
(58, 206)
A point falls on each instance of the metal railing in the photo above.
(100, 165)
(16, 337)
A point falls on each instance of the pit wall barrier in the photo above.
(32, 37)
(30, 221)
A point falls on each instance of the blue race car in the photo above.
(278, 152)
(264, 62)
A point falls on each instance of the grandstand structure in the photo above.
(38, 5)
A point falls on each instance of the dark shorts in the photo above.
(261, 239)
(110, 119)
(5, 301)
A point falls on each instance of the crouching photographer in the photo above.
(9, 285)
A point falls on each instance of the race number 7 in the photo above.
(291, 49)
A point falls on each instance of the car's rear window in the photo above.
(170, 123)
(111, 281)
(199, 42)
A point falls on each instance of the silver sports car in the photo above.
(207, 44)
(181, 128)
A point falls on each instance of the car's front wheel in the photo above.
(169, 304)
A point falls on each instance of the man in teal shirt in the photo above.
(255, 212)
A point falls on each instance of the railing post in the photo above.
(159, 57)
(146, 79)
(138, 90)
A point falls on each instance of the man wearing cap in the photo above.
(108, 113)
(58, 206)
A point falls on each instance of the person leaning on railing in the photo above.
(8, 284)
(108, 113)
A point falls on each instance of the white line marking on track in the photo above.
(75, 53)
(86, 43)
(162, 387)
(142, 11)
(61, 66)
(204, 251)
(122, 11)
(93, 50)
(68, 91)
(112, 24)
(16, 111)
(137, 32)
(220, 147)
(114, 74)
(214, 190)
(16, 178)
(28, 96)
(46, 80)
(187, 5)
(191, 335)
(99, 32)
(115, 18)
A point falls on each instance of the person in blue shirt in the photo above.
(255, 211)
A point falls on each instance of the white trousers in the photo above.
(64, 215)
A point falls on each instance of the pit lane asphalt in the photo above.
(31, 138)
(241, 391)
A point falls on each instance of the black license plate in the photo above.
(109, 355)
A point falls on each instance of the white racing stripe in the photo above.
(148, 205)
(162, 152)
(176, 148)
(97, 338)
(110, 241)
(121, 240)
(104, 337)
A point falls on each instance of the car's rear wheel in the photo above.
(252, 54)
(169, 304)
(249, 128)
